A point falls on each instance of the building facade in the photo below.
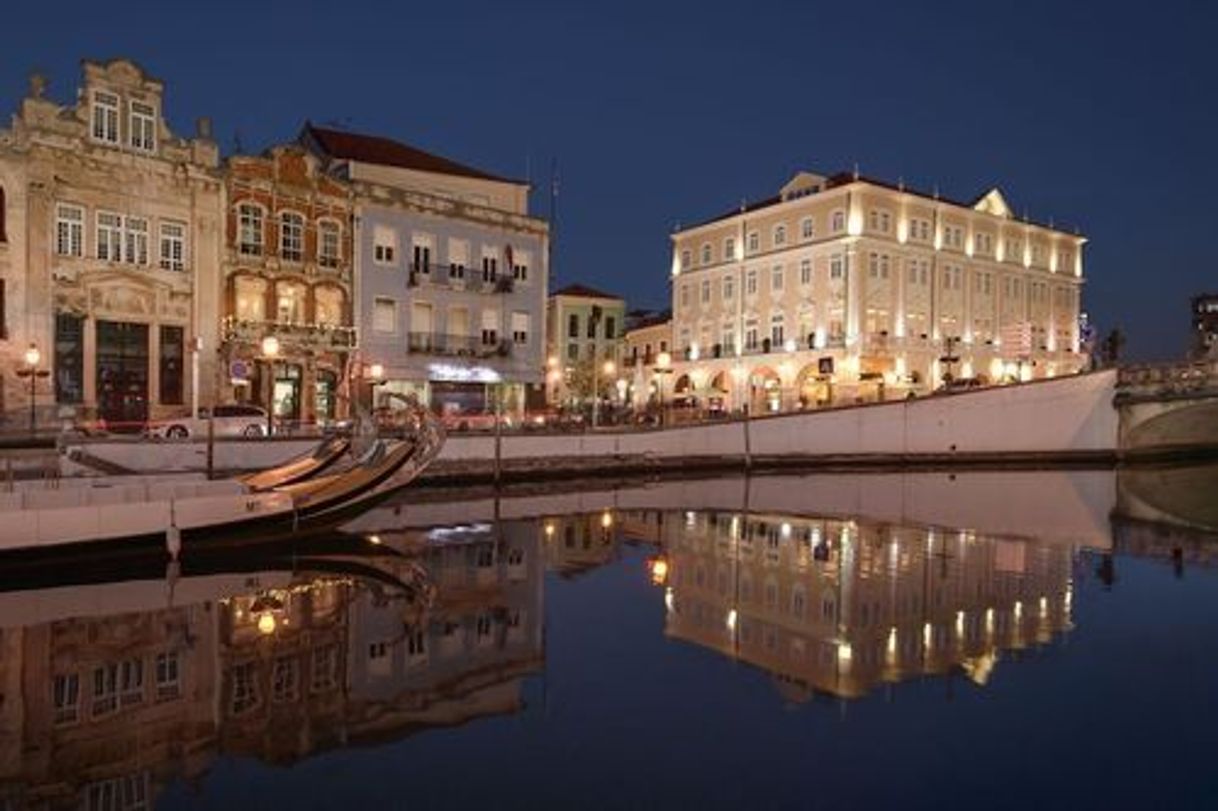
(843, 288)
(288, 275)
(451, 274)
(109, 256)
(1205, 326)
(584, 329)
(646, 339)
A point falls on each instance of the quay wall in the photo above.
(1060, 420)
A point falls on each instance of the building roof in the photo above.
(388, 152)
(845, 178)
(583, 291)
(643, 319)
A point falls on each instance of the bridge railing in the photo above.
(1169, 377)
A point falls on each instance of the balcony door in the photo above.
(458, 330)
(422, 325)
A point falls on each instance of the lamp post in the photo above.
(270, 351)
(663, 367)
(32, 358)
(609, 368)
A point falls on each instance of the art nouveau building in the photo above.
(108, 250)
(843, 288)
(451, 273)
(287, 276)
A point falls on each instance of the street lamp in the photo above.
(609, 368)
(270, 351)
(663, 367)
(32, 358)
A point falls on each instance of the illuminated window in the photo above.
(172, 246)
(291, 236)
(109, 237)
(328, 302)
(329, 244)
(69, 230)
(105, 117)
(249, 229)
(250, 296)
(143, 126)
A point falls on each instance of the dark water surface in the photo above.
(919, 641)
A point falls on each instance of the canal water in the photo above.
(996, 640)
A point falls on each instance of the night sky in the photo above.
(1102, 116)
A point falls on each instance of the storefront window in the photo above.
(172, 352)
(290, 303)
(251, 299)
(329, 302)
(69, 358)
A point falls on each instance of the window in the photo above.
(173, 246)
(290, 302)
(836, 269)
(729, 249)
(750, 283)
(137, 240)
(384, 315)
(490, 268)
(873, 265)
(520, 266)
(416, 644)
(520, 328)
(780, 234)
(729, 287)
(284, 679)
(805, 272)
(131, 681)
(329, 245)
(328, 306)
(592, 321)
(706, 296)
(69, 230)
(750, 336)
(65, 695)
(776, 332)
(128, 793)
(573, 351)
(324, 668)
(168, 678)
(109, 237)
(105, 117)
(291, 236)
(806, 228)
(143, 126)
(69, 358)
(384, 245)
(105, 690)
(490, 328)
(610, 327)
(251, 298)
(838, 222)
(776, 278)
(754, 243)
(573, 325)
(422, 257)
(684, 296)
(706, 254)
(173, 351)
(244, 690)
(249, 230)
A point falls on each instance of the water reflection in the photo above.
(123, 683)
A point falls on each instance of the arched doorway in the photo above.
(718, 394)
(765, 391)
(812, 389)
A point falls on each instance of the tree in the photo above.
(1112, 346)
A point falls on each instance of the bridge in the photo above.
(1167, 408)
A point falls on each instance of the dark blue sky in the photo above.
(1100, 115)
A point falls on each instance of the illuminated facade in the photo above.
(584, 330)
(645, 342)
(844, 288)
(287, 275)
(842, 606)
(109, 241)
(451, 272)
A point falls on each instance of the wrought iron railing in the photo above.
(322, 337)
(472, 346)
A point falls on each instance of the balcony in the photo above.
(315, 337)
(458, 277)
(457, 346)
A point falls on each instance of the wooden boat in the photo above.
(143, 512)
(299, 468)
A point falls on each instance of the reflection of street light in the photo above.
(32, 358)
(663, 367)
(270, 351)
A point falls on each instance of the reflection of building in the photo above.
(287, 274)
(452, 271)
(849, 287)
(1205, 325)
(645, 339)
(109, 263)
(583, 332)
(840, 606)
(577, 543)
(107, 710)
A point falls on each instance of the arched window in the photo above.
(291, 236)
(249, 229)
(328, 302)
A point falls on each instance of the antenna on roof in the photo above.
(936, 191)
(743, 205)
(856, 170)
(901, 183)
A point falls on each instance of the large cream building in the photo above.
(109, 258)
(845, 288)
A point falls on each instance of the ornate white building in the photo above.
(844, 288)
(109, 251)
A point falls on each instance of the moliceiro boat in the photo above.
(314, 490)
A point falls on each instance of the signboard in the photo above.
(239, 370)
(462, 374)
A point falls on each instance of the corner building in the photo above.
(108, 252)
(450, 274)
(845, 289)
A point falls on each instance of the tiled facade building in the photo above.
(452, 273)
(843, 288)
(288, 273)
(108, 255)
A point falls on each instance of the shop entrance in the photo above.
(122, 374)
(286, 397)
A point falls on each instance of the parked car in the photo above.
(230, 421)
(961, 384)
